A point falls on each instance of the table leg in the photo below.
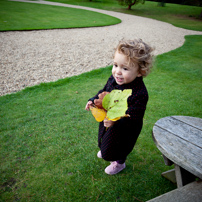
(167, 161)
(183, 177)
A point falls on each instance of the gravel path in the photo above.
(28, 58)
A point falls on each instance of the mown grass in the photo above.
(49, 142)
(29, 16)
(178, 15)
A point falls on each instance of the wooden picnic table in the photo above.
(179, 138)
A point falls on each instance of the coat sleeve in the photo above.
(137, 106)
(106, 88)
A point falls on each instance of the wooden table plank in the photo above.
(178, 150)
(193, 121)
(175, 126)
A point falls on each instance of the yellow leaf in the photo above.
(116, 119)
(98, 113)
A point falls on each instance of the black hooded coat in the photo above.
(118, 141)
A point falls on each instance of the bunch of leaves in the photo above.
(111, 105)
(98, 102)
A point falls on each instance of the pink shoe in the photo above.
(114, 168)
(99, 155)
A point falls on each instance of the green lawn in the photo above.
(29, 16)
(49, 142)
(178, 15)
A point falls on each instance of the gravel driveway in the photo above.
(28, 58)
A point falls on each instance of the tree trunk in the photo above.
(130, 5)
(200, 15)
(162, 3)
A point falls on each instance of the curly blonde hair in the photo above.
(137, 52)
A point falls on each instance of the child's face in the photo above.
(121, 71)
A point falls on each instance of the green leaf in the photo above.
(116, 103)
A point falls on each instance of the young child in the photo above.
(132, 61)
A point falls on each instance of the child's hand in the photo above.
(89, 103)
(108, 123)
